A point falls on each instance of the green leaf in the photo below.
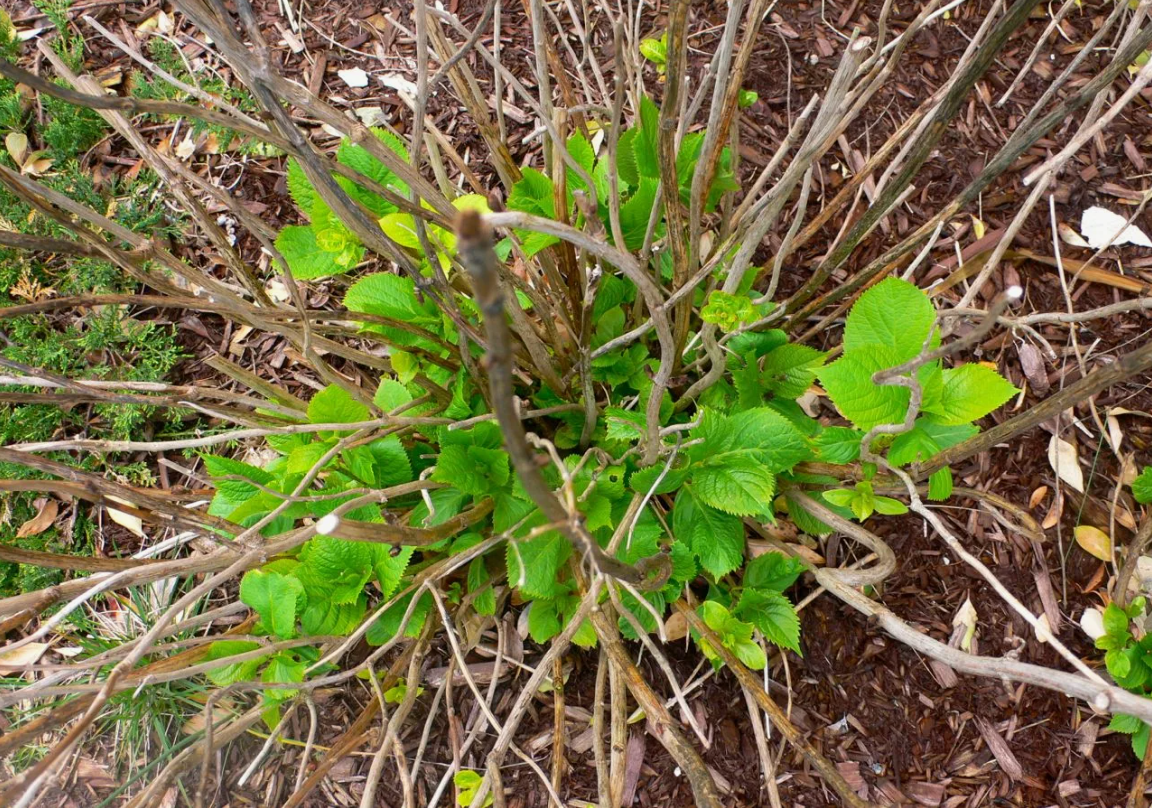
(889, 506)
(848, 382)
(301, 190)
(1142, 486)
(585, 156)
(971, 392)
(336, 568)
(533, 564)
(394, 296)
(773, 572)
(940, 484)
(304, 255)
(626, 157)
(274, 597)
(1140, 742)
(735, 485)
(1115, 621)
(467, 784)
(715, 537)
(642, 481)
(774, 615)
(231, 494)
(636, 211)
(401, 228)
(543, 620)
(484, 600)
(761, 434)
(747, 98)
(788, 371)
(235, 671)
(334, 405)
(391, 395)
(655, 50)
(389, 567)
(324, 617)
(302, 460)
(385, 627)
(893, 314)
(646, 144)
(361, 160)
(282, 669)
(727, 311)
(838, 444)
(1127, 724)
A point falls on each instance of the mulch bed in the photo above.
(873, 706)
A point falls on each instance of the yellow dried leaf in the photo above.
(17, 145)
(126, 520)
(1094, 541)
(1065, 461)
(17, 659)
(978, 227)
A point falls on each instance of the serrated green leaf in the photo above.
(970, 392)
(1127, 724)
(717, 538)
(324, 617)
(646, 144)
(394, 296)
(1142, 486)
(338, 569)
(642, 481)
(305, 257)
(940, 484)
(236, 671)
(334, 405)
(385, 627)
(636, 211)
(391, 395)
(1115, 621)
(301, 190)
(838, 444)
(737, 485)
(389, 567)
(361, 160)
(534, 564)
(848, 382)
(774, 615)
(788, 371)
(274, 597)
(893, 314)
(303, 459)
(773, 572)
(626, 157)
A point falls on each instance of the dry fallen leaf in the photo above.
(1032, 363)
(186, 147)
(45, 516)
(1037, 497)
(1065, 462)
(1094, 541)
(353, 77)
(17, 145)
(1070, 236)
(18, 659)
(966, 617)
(93, 775)
(126, 520)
